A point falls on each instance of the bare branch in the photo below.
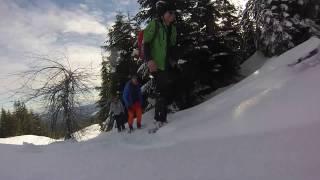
(58, 86)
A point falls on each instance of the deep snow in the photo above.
(265, 127)
(256, 61)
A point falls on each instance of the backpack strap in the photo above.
(169, 33)
(147, 46)
(168, 50)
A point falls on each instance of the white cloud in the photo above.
(83, 23)
(35, 29)
(84, 26)
(126, 2)
(86, 56)
(84, 7)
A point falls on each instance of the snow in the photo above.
(265, 127)
(88, 133)
(186, 16)
(85, 134)
(300, 2)
(284, 7)
(27, 139)
(194, 24)
(94, 113)
(195, 5)
(254, 63)
(220, 54)
(182, 61)
(205, 47)
(135, 52)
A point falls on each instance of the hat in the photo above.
(164, 6)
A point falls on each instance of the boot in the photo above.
(130, 129)
(138, 125)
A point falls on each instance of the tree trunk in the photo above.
(66, 110)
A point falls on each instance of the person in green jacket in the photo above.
(159, 37)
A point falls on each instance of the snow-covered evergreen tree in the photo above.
(279, 25)
(249, 30)
(105, 89)
(121, 39)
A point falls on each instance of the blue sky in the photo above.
(76, 28)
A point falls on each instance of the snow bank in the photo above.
(88, 133)
(85, 134)
(27, 139)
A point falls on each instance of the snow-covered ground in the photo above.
(265, 127)
(27, 139)
(88, 133)
(80, 136)
(256, 61)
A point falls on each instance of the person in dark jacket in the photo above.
(159, 37)
(132, 98)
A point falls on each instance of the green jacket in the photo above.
(157, 40)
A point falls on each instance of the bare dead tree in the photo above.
(59, 86)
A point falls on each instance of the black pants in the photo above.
(162, 82)
(120, 120)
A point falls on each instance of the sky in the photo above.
(74, 28)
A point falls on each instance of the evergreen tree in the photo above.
(147, 10)
(119, 65)
(37, 127)
(279, 25)
(10, 125)
(22, 118)
(21, 122)
(105, 90)
(249, 31)
(3, 124)
(14, 125)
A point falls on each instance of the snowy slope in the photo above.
(265, 127)
(88, 133)
(255, 62)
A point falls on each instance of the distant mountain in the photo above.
(83, 113)
(87, 111)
